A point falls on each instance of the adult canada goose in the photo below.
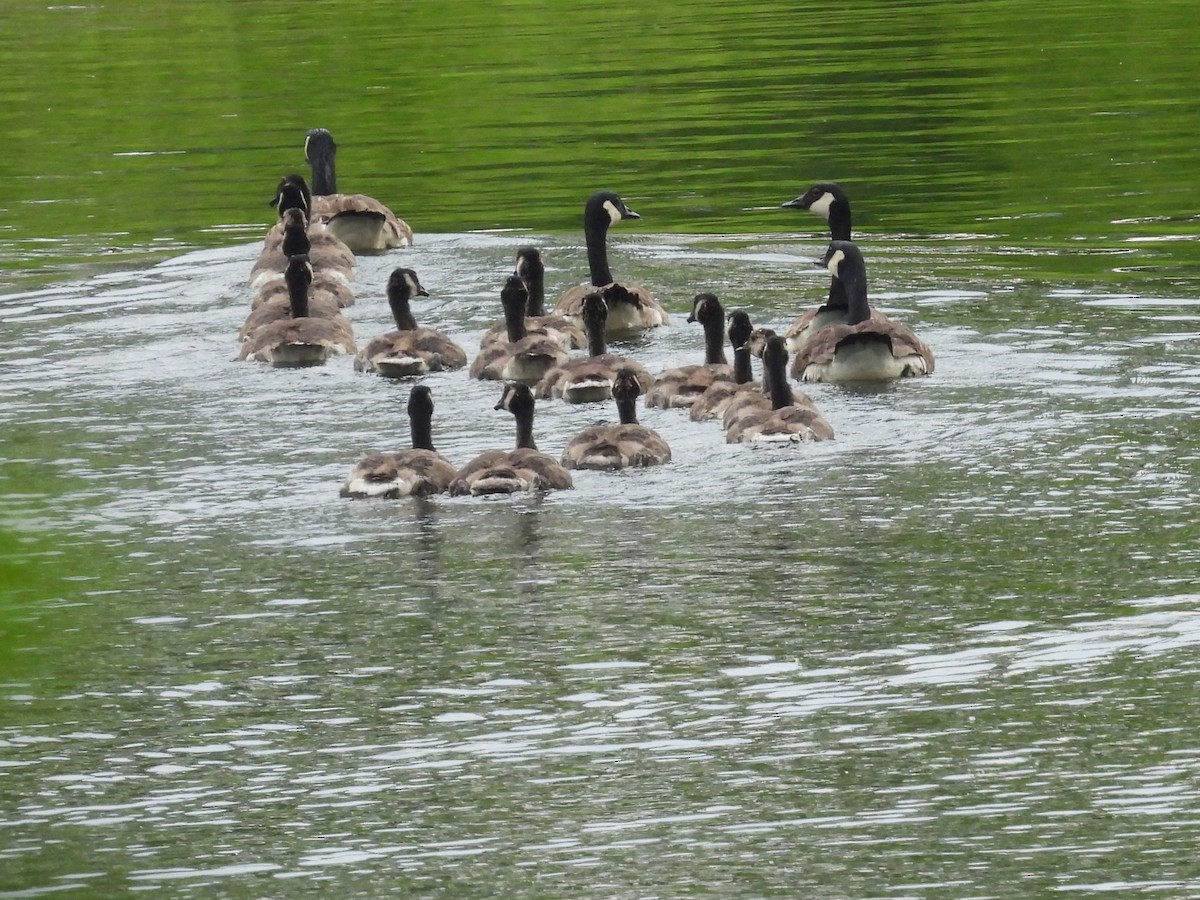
(780, 419)
(298, 282)
(523, 356)
(588, 379)
(681, 386)
(296, 226)
(409, 349)
(418, 472)
(864, 348)
(639, 309)
(618, 446)
(298, 339)
(511, 471)
(362, 222)
(712, 403)
(831, 203)
(532, 271)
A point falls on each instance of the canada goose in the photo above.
(278, 305)
(362, 222)
(409, 349)
(681, 386)
(511, 471)
(524, 357)
(780, 419)
(302, 234)
(618, 446)
(587, 379)
(640, 309)
(711, 404)
(864, 348)
(418, 472)
(298, 339)
(532, 271)
(330, 275)
(831, 203)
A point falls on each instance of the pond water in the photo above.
(951, 653)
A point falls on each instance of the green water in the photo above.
(950, 654)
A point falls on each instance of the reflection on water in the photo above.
(952, 650)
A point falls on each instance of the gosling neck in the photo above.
(402, 312)
(714, 341)
(421, 429)
(524, 419)
(742, 371)
(775, 376)
(627, 409)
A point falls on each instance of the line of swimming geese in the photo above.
(303, 283)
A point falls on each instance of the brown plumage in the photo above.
(417, 472)
(293, 234)
(524, 468)
(637, 309)
(780, 419)
(590, 378)
(864, 348)
(681, 386)
(297, 279)
(293, 334)
(522, 356)
(712, 403)
(408, 349)
(618, 446)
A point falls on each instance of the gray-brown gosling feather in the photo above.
(681, 386)
(522, 356)
(408, 349)
(418, 472)
(780, 419)
(618, 446)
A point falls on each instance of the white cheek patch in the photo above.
(835, 261)
(414, 289)
(821, 205)
(614, 214)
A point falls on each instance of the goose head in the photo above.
(606, 208)
(292, 192)
(706, 308)
(740, 328)
(758, 340)
(404, 283)
(626, 386)
(531, 270)
(320, 150)
(831, 203)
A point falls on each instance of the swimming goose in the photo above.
(418, 472)
(618, 446)
(712, 403)
(640, 309)
(408, 349)
(831, 203)
(780, 419)
(297, 279)
(362, 222)
(298, 339)
(330, 274)
(511, 471)
(864, 348)
(587, 379)
(679, 387)
(524, 356)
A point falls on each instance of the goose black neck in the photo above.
(324, 176)
(595, 233)
(775, 374)
(855, 287)
(714, 341)
(402, 312)
(535, 283)
(513, 299)
(421, 428)
(524, 419)
(597, 342)
(297, 284)
(742, 372)
(627, 409)
(839, 220)
(295, 239)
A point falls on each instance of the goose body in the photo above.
(521, 355)
(296, 338)
(563, 331)
(864, 348)
(408, 349)
(680, 387)
(295, 233)
(524, 468)
(638, 309)
(361, 222)
(628, 444)
(417, 472)
(779, 419)
(829, 201)
(590, 379)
